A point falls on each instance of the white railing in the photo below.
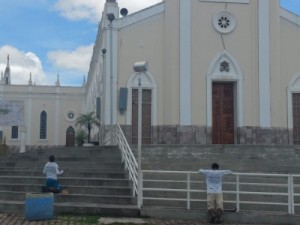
(241, 190)
(127, 158)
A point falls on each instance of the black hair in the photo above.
(51, 158)
(215, 166)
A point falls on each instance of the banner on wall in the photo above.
(11, 113)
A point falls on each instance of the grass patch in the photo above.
(89, 220)
(74, 219)
(129, 224)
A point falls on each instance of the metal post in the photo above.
(237, 192)
(188, 191)
(140, 192)
(291, 208)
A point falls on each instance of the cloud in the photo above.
(78, 60)
(80, 9)
(91, 9)
(21, 65)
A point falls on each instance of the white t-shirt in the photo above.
(51, 170)
(214, 179)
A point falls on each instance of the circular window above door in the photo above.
(224, 22)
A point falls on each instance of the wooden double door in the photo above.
(296, 118)
(146, 116)
(223, 113)
(70, 137)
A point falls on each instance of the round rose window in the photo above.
(224, 22)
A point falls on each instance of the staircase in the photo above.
(94, 177)
(98, 184)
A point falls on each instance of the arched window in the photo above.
(70, 137)
(43, 125)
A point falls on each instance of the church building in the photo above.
(211, 72)
(218, 71)
(33, 116)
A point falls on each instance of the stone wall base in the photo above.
(203, 135)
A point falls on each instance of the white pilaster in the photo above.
(28, 121)
(264, 64)
(57, 130)
(185, 62)
(22, 139)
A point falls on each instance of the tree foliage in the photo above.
(88, 120)
(81, 137)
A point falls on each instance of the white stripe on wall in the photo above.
(185, 62)
(264, 64)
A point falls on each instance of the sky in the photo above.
(51, 37)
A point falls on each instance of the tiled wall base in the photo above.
(198, 135)
(203, 135)
(257, 135)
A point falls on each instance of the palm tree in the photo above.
(88, 120)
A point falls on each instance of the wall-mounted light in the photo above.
(110, 16)
(140, 66)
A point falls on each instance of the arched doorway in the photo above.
(224, 99)
(149, 106)
(294, 109)
(70, 137)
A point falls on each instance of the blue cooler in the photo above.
(39, 206)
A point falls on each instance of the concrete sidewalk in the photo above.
(10, 219)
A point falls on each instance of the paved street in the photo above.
(7, 219)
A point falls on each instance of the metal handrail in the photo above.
(287, 183)
(127, 158)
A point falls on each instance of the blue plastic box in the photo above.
(39, 206)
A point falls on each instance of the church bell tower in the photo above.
(6, 77)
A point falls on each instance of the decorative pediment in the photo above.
(224, 67)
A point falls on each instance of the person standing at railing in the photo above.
(214, 191)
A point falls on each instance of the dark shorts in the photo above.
(52, 184)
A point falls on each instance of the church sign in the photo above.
(11, 113)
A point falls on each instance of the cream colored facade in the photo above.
(62, 105)
(219, 71)
(191, 46)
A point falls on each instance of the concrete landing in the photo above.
(103, 221)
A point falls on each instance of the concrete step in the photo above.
(74, 198)
(66, 169)
(118, 175)
(92, 190)
(76, 208)
(95, 165)
(202, 205)
(78, 181)
(58, 159)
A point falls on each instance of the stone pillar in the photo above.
(22, 139)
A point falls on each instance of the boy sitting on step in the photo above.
(51, 170)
